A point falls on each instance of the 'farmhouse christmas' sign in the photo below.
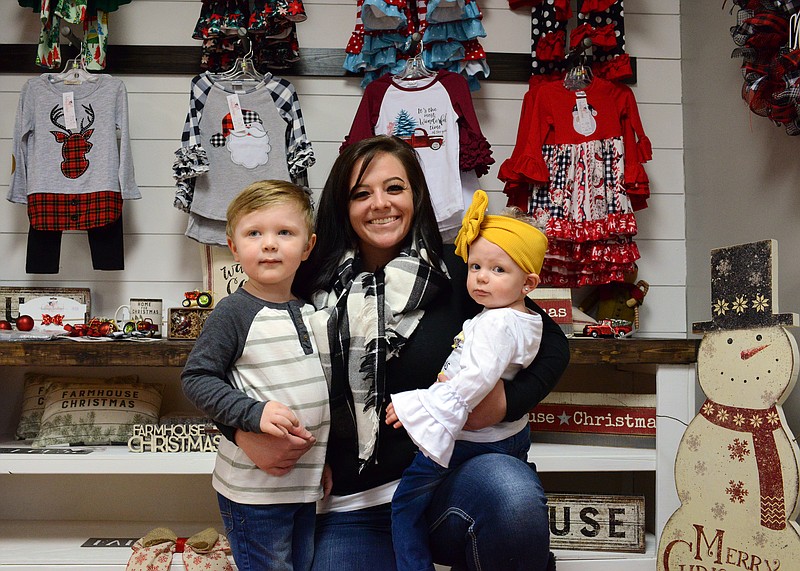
(737, 470)
(172, 438)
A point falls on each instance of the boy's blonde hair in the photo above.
(265, 194)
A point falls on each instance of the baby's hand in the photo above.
(278, 419)
(391, 417)
(441, 378)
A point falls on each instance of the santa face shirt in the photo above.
(233, 138)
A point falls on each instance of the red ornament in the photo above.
(25, 323)
(5, 325)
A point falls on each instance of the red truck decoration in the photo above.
(609, 328)
(424, 140)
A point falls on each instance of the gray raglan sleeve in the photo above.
(205, 377)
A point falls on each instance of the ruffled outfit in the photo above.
(92, 14)
(436, 116)
(216, 161)
(271, 27)
(381, 40)
(577, 169)
(600, 20)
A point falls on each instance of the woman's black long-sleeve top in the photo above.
(417, 366)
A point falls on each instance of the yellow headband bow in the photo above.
(522, 242)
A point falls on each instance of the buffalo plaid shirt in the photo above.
(49, 211)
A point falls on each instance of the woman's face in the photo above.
(381, 209)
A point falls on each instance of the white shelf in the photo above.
(100, 460)
(583, 458)
(57, 545)
(607, 560)
(118, 460)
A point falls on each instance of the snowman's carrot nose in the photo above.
(747, 353)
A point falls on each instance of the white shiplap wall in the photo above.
(162, 263)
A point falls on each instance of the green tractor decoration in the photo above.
(197, 298)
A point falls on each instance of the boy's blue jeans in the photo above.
(410, 528)
(275, 537)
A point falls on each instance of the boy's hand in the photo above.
(277, 419)
(391, 417)
(327, 481)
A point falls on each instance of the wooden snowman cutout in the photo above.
(737, 469)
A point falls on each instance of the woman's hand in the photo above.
(490, 411)
(273, 454)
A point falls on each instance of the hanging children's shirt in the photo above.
(66, 152)
(232, 138)
(70, 169)
(434, 115)
(577, 147)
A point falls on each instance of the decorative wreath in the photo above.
(767, 33)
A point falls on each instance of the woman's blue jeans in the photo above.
(275, 537)
(410, 529)
(488, 515)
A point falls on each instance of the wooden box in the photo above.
(186, 322)
(596, 522)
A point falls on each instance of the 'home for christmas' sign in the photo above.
(737, 471)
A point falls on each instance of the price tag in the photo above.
(236, 113)
(68, 104)
(584, 122)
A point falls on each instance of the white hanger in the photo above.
(794, 31)
(243, 68)
(415, 68)
(74, 71)
(579, 76)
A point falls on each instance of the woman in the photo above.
(395, 297)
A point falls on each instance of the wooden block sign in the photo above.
(222, 275)
(596, 522)
(596, 413)
(557, 302)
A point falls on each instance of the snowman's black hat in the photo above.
(744, 290)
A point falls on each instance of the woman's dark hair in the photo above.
(335, 235)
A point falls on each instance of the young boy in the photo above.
(255, 367)
(504, 257)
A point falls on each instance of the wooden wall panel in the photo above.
(161, 262)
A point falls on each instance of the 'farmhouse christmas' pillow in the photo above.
(96, 413)
(34, 392)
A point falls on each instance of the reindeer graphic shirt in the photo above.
(72, 162)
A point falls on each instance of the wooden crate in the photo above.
(596, 522)
(186, 322)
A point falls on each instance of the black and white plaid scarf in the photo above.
(364, 321)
